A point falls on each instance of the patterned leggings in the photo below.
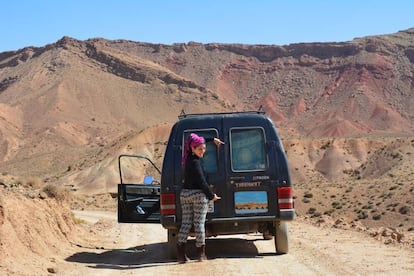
(194, 207)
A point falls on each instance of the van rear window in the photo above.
(247, 146)
(209, 161)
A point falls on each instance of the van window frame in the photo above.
(266, 157)
(187, 132)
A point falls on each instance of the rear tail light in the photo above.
(285, 198)
(168, 204)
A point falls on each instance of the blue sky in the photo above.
(39, 22)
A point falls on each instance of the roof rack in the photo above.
(184, 115)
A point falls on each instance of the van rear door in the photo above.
(212, 164)
(138, 202)
(248, 176)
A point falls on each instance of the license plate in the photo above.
(210, 206)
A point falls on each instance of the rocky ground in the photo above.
(47, 230)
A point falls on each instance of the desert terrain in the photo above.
(44, 236)
(343, 111)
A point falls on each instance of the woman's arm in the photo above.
(216, 141)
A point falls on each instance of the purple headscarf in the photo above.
(192, 140)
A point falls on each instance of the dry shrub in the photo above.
(376, 217)
(77, 220)
(308, 194)
(56, 192)
(404, 210)
(34, 182)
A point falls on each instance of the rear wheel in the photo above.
(281, 237)
(172, 243)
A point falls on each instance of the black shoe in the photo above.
(181, 256)
(201, 253)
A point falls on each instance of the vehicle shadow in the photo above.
(228, 248)
(124, 258)
(154, 254)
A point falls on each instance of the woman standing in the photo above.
(194, 196)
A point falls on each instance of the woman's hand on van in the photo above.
(218, 142)
(216, 197)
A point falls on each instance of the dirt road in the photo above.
(139, 249)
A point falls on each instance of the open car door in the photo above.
(138, 202)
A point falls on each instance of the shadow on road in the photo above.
(155, 254)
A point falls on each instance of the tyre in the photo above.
(281, 238)
(172, 244)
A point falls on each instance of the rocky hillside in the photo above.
(344, 112)
(316, 89)
(68, 108)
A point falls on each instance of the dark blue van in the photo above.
(250, 172)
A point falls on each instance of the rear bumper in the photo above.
(171, 222)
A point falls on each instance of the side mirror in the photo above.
(148, 179)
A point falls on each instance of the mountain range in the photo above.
(68, 109)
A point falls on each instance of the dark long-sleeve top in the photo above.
(195, 176)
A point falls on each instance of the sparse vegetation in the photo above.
(376, 217)
(337, 205)
(306, 200)
(308, 194)
(348, 190)
(404, 210)
(366, 176)
(326, 145)
(34, 182)
(311, 210)
(77, 220)
(54, 191)
(362, 215)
